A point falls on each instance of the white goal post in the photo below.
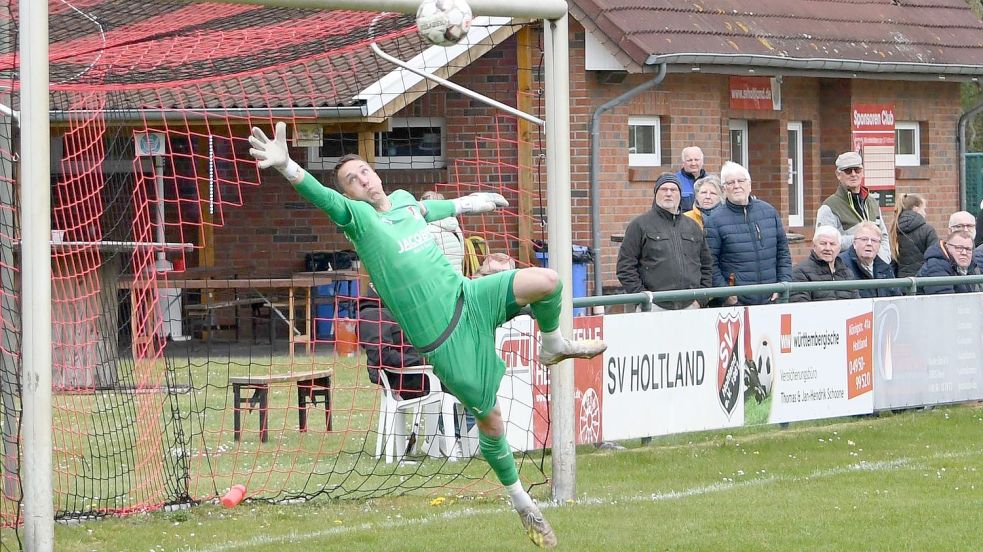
(36, 229)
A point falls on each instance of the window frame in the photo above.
(653, 159)
(908, 159)
(314, 160)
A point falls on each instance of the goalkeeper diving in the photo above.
(448, 318)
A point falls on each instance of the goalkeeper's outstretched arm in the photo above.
(479, 202)
(274, 154)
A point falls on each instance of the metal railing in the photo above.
(646, 298)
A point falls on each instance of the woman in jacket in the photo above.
(911, 235)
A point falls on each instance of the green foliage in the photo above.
(972, 95)
(895, 482)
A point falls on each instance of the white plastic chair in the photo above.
(395, 412)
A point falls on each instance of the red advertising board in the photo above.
(872, 129)
(752, 93)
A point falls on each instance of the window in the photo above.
(907, 144)
(738, 141)
(412, 143)
(796, 174)
(644, 142)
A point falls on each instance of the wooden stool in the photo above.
(310, 386)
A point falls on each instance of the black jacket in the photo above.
(815, 269)
(664, 251)
(938, 263)
(385, 347)
(881, 270)
(914, 237)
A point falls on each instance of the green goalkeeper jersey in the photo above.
(413, 278)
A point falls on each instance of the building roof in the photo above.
(930, 38)
(175, 55)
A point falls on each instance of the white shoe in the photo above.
(584, 348)
(537, 527)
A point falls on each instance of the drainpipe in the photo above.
(595, 168)
(961, 139)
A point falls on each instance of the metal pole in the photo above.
(540, 9)
(456, 87)
(558, 218)
(36, 276)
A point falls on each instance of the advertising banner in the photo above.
(809, 361)
(524, 395)
(671, 372)
(928, 350)
(755, 93)
(873, 138)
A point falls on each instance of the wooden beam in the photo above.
(527, 133)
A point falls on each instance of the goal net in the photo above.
(199, 340)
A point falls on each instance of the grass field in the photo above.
(897, 482)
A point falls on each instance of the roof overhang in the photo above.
(817, 67)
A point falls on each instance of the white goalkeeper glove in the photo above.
(273, 153)
(480, 202)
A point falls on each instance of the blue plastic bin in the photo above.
(325, 311)
(582, 256)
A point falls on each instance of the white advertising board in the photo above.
(671, 372)
(818, 357)
(928, 350)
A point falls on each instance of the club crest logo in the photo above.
(728, 361)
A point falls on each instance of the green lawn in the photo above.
(895, 482)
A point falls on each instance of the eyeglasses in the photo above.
(735, 182)
(969, 226)
(961, 248)
(852, 170)
(867, 240)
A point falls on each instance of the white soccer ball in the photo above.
(443, 22)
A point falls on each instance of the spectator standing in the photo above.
(911, 235)
(689, 173)
(448, 235)
(823, 265)
(863, 262)
(964, 221)
(950, 257)
(708, 193)
(851, 204)
(664, 250)
(746, 239)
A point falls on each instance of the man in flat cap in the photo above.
(665, 250)
(852, 204)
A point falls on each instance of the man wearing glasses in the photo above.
(852, 204)
(863, 261)
(950, 257)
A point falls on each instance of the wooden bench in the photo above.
(310, 386)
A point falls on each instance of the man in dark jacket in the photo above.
(851, 204)
(950, 257)
(863, 262)
(664, 250)
(691, 171)
(747, 239)
(387, 351)
(823, 265)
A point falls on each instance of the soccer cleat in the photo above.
(584, 348)
(537, 527)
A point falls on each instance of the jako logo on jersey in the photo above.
(414, 241)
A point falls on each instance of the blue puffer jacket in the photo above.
(749, 242)
(938, 263)
(881, 270)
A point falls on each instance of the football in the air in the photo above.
(443, 22)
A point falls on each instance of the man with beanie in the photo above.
(665, 250)
(852, 204)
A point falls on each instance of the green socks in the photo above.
(498, 454)
(547, 310)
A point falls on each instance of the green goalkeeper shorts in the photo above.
(468, 363)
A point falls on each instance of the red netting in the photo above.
(193, 346)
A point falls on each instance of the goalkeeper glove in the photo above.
(273, 153)
(480, 202)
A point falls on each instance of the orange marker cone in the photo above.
(235, 495)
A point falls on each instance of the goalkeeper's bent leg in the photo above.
(547, 309)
